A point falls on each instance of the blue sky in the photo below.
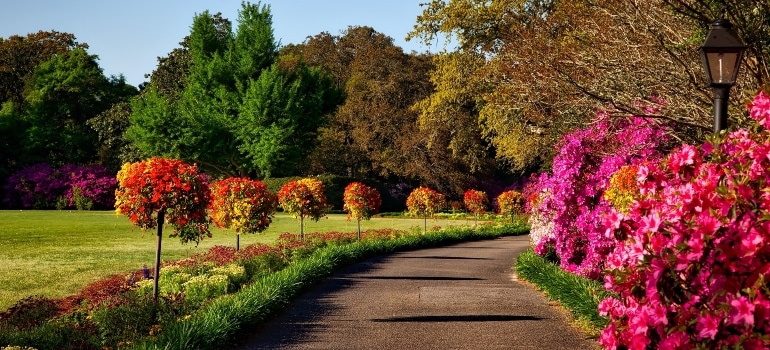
(128, 36)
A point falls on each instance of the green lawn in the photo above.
(55, 253)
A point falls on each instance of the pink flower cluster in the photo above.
(692, 263)
(571, 196)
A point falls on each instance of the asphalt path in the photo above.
(463, 296)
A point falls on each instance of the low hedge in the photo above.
(225, 318)
(579, 295)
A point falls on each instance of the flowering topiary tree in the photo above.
(425, 202)
(510, 203)
(304, 198)
(361, 202)
(476, 202)
(243, 205)
(151, 191)
(693, 262)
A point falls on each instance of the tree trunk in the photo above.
(155, 291)
(424, 224)
(301, 228)
(359, 229)
(237, 241)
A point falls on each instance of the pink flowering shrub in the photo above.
(42, 186)
(571, 197)
(691, 266)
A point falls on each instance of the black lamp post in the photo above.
(722, 53)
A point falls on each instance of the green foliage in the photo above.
(236, 112)
(205, 287)
(579, 295)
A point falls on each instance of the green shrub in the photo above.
(201, 288)
(263, 264)
(236, 275)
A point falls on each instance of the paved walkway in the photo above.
(463, 296)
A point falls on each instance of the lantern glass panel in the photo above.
(722, 66)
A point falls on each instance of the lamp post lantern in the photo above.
(721, 53)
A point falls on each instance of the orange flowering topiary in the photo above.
(623, 188)
(425, 202)
(361, 202)
(304, 198)
(511, 202)
(243, 205)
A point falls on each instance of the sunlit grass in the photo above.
(55, 253)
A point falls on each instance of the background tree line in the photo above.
(236, 102)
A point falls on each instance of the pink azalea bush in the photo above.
(42, 186)
(691, 266)
(571, 197)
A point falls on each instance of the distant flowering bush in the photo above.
(692, 265)
(165, 185)
(42, 186)
(242, 204)
(586, 160)
(476, 201)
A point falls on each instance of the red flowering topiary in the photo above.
(476, 202)
(361, 202)
(151, 191)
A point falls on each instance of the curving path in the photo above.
(463, 296)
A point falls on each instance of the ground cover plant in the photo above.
(56, 253)
(117, 312)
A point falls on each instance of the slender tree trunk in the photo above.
(301, 228)
(359, 229)
(237, 241)
(424, 224)
(155, 291)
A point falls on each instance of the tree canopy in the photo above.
(236, 111)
